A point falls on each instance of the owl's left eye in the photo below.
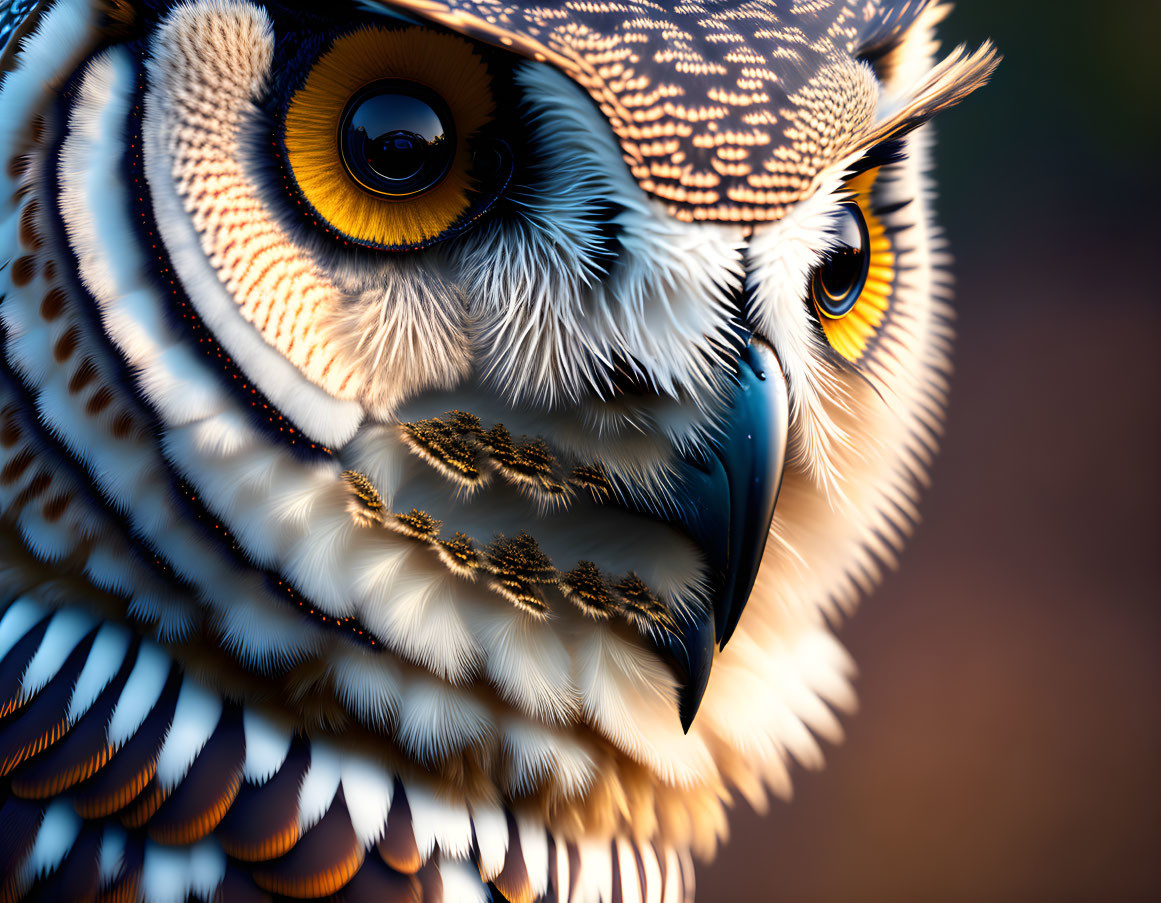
(839, 278)
(850, 290)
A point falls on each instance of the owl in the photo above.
(437, 437)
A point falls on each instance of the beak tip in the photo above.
(693, 655)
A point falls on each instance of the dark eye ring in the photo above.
(839, 279)
(397, 139)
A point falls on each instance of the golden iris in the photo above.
(851, 290)
(839, 279)
(379, 135)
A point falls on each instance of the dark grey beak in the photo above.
(726, 503)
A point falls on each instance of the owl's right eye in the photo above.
(397, 138)
(383, 137)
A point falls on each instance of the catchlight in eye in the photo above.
(851, 288)
(397, 139)
(839, 278)
(383, 136)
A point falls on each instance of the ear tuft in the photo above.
(959, 74)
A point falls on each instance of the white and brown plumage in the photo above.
(392, 542)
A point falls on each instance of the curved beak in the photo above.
(727, 498)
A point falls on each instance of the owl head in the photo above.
(437, 438)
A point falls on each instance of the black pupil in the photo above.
(840, 277)
(396, 138)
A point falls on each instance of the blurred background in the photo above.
(1008, 746)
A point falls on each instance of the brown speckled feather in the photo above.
(725, 111)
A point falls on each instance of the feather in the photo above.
(540, 756)
(461, 882)
(527, 662)
(14, 663)
(368, 685)
(398, 848)
(561, 877)
(317, 413)
(140, 696)
(20, 823)
(111, 854)
(206, 792)
(946, 84)
(320, 784)
(20, 617)
(263, 822)
(267, 745)
(323, 861)
(491, 839)
(194, 720)
(166, 874)
(207, 867)
(78, 875)
(174, 874)
(513, 881)
(437, 821)
(42, 721)
(134, 756)
(534, 848)
(674, 882)
(422, 617)
(378, 883)
(368, 789)
(126, 882)
(80, 753)
(436, 721)
(61, 35)
(105, 660)
(595, 878)
(237, 886)
(628, 880)
(55, 837)
(650, 871)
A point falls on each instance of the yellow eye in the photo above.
(379, 136)
(839, 279)
(851, 288)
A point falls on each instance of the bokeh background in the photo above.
(1008, 746)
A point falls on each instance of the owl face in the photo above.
(486, 405)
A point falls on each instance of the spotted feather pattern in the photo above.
(725, 111)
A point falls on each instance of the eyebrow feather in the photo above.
(947, 83)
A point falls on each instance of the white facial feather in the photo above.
(541, 757)
(194, 35)
(550, 321)
(782, 257)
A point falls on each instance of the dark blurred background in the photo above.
(1008, 747)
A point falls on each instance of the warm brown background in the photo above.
(1009, 742)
